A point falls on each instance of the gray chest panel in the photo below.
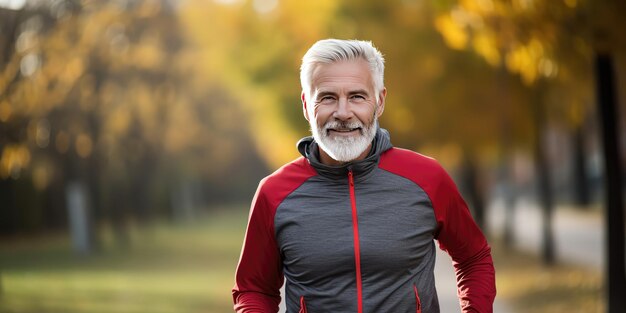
(314, 232)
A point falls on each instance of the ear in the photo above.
(381, 102)
(305, 109)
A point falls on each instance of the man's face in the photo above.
(342, 109)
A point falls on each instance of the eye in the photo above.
(357, 97)
(326, 99)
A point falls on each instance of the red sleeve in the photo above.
(457, 233)
(259, 274)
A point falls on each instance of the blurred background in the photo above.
(133, 134)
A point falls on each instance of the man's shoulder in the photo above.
(288, 177)
(403, 158)
(412, 165)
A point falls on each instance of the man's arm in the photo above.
(459, 235)
(259, 274)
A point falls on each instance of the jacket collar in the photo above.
(310, 150)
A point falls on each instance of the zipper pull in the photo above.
(350, 177)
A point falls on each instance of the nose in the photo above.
(343, 110)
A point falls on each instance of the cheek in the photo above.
(367, 113)
(321, 115)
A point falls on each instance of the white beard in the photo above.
(344, 148)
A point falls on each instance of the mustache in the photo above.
(343, 125)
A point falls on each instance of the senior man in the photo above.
(350, 226)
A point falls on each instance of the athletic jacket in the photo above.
(359, 237)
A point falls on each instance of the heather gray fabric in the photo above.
(314, 233)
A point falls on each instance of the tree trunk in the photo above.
(473, 187)
(509, 206)
(79, 206)
(607, 107)
(543, 180)
(582, 195)
(505, 169)
(80, 216)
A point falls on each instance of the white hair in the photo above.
(329, 51)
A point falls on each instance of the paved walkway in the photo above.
(578, 236)
(578, 240)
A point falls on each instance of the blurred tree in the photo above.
(607, 101)
(553, 40)
(110, 95)
(543, 174)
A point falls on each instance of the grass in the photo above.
(170, 268)
(189, 268)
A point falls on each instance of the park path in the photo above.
(578, 235)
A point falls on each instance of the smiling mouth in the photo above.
(343, 130)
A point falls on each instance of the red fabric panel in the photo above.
(259, 273)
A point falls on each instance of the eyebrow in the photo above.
(325, 93)
(358, 92)
(332, 93)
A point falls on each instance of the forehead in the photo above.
(342, 74)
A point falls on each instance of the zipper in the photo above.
(302, 305)
(357, 248)
(418, 302)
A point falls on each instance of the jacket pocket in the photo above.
(418, 302)
(302, 305)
